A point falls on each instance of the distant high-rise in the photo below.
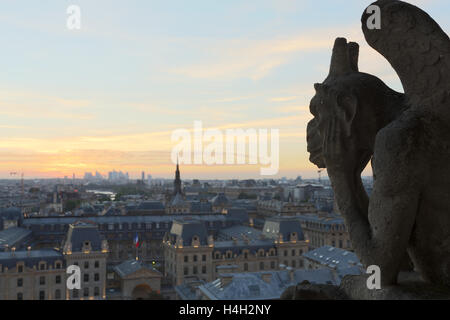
(143, 176)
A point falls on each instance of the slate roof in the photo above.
(11, 213)
(187, 291)
(200, 207)
(31, 258)
(187, 229)
(112, 211)
(88, 209)
(131, 266)
(334, 258)
(219, 200)
(239, 214)
(10, 237)
(178, 200)
(282, 225)
(251, 286)
(150, 205)
(244, 203)
(83, 231)
(327, 222)
(240, 233)
(238, 246)
(123, 219)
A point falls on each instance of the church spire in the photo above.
(177, 181)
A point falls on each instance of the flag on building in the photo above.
(136, 240)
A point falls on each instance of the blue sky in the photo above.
(109, 95)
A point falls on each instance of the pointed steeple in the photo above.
(177, 181)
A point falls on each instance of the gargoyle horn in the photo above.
(345, 57)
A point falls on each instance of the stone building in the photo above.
(269, 208)
(325, 229)
(332, 258)
(41, 274)
(135, 280)
(32, 275)
(192, 255)
(85, 248)
(120, 231)
(178, 205)
(220, 202)
(10, 218)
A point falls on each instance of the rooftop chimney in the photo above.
(291, 273)
(226, 279)
(267, 277)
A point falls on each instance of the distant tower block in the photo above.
(143, 176)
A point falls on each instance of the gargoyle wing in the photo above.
(416, 47)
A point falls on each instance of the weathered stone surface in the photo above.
(357, 118)
(410, 286)
(307, 291)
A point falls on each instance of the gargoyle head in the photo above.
(333, 109)
(349, 108)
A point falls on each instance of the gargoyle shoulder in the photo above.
(399, 159)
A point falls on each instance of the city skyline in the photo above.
(110, 95)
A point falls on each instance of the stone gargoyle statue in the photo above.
(358, 119)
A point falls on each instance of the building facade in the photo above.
(85, 248)
(192, 255)
(325, 229)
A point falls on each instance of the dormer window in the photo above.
(294, 236)
(86, 246)
(195, 241)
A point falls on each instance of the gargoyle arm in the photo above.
(381, 231)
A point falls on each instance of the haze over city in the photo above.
(109, 96)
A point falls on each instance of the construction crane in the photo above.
(320, 175)
(13, 173)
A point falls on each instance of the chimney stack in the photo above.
(267, 277)
(291, 273)
(226, 279)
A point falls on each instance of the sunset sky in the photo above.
(110, 95)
